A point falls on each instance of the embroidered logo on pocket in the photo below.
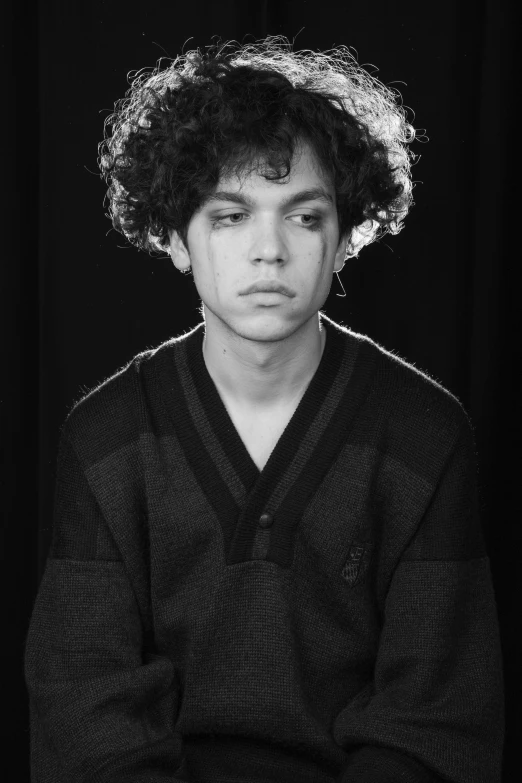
(357, 563)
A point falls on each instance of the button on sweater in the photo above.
(329, 618)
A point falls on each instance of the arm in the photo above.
(101, 707)
(436, 708)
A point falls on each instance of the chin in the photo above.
(270, 324)
(264, 330)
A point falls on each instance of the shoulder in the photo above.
(415, 389)
(114, 413)
(409, 403)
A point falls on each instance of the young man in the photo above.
(267, 561)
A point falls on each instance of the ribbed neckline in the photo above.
(222, 424)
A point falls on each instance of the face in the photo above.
(253, 231)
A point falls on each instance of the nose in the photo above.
(268, 242)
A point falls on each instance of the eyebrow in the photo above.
(237, 197)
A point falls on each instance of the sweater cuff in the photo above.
(373, 764)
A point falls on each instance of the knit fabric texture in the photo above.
(330, 618)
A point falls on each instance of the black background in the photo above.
(78, 302)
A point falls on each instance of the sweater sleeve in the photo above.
(435, 711)
(102, 708)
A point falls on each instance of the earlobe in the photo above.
(340, 256)
(178, 252)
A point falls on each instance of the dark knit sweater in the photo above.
(330, 618)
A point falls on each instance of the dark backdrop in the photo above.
(78, 303)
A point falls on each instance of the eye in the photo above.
(234, 218)
(306, 220)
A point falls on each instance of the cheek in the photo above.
(220, 269)
(319, 256)
(324, 249)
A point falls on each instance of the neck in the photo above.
(262, 376)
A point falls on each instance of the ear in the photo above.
(340, 255)
(178, 252)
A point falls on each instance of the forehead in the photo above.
(306, 173)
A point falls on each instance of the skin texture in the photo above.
(262, 350)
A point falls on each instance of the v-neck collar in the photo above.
(235, 488)
(288, 442)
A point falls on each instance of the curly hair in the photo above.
(213, 113)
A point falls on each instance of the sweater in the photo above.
(329, 618)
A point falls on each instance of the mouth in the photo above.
(268, 287)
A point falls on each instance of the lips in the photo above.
(268, 287)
